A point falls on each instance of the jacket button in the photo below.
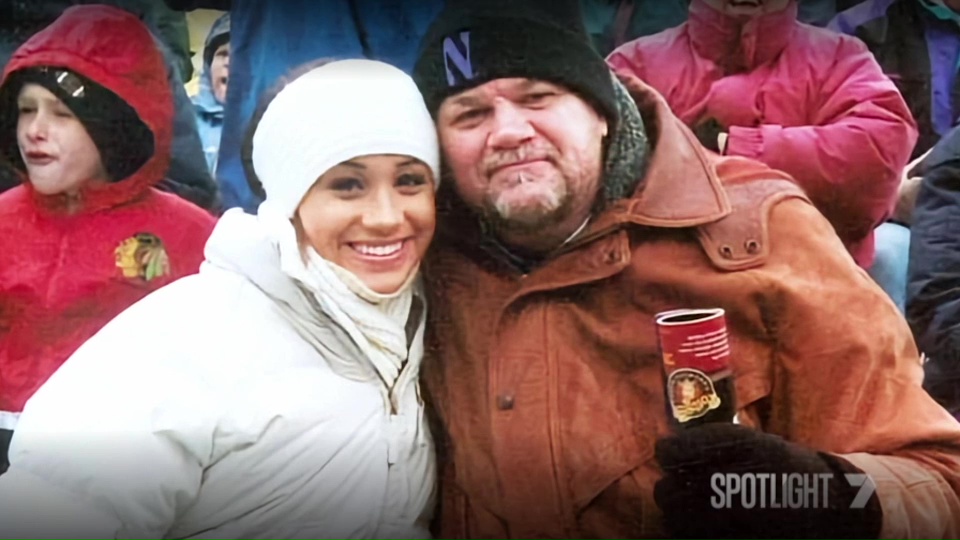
(505, 402)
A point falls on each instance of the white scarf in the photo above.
(375, 322)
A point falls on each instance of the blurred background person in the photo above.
(753, 81)
(917, 43)
(611, 23)
(933, 287)
(267, 39)
(212, 93)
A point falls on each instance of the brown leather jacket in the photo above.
(548, 384)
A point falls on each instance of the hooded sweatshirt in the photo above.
(187, 175)
(209, 110)
(296, 411)
(800, 99)
(64, 274)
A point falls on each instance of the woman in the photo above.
(275, 393)
(86, 120)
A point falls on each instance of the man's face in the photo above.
(220, 72)
(748, 8)
(527, 154)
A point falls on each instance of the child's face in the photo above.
(58, 152)
(220, 72)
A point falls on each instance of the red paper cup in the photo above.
(694, 338)
(696, 364)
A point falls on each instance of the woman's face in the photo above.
(372, 215)
(58, 152)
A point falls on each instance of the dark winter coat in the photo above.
(933, 283)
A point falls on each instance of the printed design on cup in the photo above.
(698, 380)
(692, 394)
(142, 256)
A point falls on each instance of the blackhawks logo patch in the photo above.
(142, 256)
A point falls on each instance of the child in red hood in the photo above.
(86, 116)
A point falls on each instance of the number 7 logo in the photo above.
(867, 488)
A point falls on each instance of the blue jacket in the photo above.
(209, 110)
(297, 31)
(919, 51)
(933, 283)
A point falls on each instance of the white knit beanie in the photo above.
(334, 113)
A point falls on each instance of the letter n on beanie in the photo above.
(456, 58)
(472, 42)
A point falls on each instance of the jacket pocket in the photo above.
(625, 509)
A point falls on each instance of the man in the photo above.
(212, 95)
(571, 220)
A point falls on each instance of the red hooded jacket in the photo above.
(63, 275)
(801, 99)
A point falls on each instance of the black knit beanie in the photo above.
(125, 143)
(475, 41)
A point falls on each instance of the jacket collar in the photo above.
(680, 187)
(737, 45)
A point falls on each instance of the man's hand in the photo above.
(731, 481)
(710, 132)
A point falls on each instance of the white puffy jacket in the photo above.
(203, 411)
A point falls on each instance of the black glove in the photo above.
(703, 465)
(708, 133)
